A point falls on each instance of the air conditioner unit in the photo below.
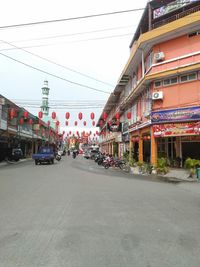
(157, 95)
(146, 113)
(159, 56)
(138, 118)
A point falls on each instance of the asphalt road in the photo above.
(77, 214)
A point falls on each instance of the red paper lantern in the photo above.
(26, 114)
(92, 116)
(84, 123)
(66, 123)
(104, 116)
(21, 121)
(133, 139)
(101, 123)
(128, 115)
(67, 115)
(75, 123)
(48, 123)
(30, 121)
(53, 115)
(57, 123)
(40, 115)
(80, 116)
(145, 137)
(93, 123)
(63, 132)
(70, 132)
(77, 132)
(12, 113)
(117, 116)
(148, 137)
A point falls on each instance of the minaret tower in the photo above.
(45, 99)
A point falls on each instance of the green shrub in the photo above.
(132, 162)
(161, 167)
(126, 156)
(192, 164)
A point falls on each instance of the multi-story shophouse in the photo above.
(20, 128)
(159, 88)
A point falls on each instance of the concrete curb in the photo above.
(7, 163)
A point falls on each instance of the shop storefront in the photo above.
(140, 142)
(177, 133)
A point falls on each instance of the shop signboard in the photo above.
(176, 115)
(161, 11)
(118, 137)
(126, 137)
(125, 127)
(114, 127)
(176, 129)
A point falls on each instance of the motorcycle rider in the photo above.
(74, 154)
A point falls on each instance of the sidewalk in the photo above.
(181, 175)
(7, 163)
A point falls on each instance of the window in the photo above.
(188, 77)
(192, 34)
(148, 61)
(157, 84)
(174, 80)
(166, 82)
(170, 81)
(192, 76)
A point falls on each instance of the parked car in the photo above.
(86, 154)
(94, 153)
(45, 154)
(15, 154)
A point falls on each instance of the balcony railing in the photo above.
(176, 17)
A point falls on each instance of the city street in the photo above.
(77, 214)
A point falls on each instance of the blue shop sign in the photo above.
(176, 115)
(125, 137)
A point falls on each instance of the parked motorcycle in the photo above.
(58, 156)
(111, 162)
(74, 154)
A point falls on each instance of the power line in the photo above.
(72, 18)
(59, 65)
(72, 34)
(76, 41)
(53, 75)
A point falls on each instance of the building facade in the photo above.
(160, 86)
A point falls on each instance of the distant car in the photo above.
(15, 154)
(45, 154)
(86, 154)
(94, 153)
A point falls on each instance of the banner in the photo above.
(175, 115)
(176, 129)
(171, 7)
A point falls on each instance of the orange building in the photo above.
(160, 85)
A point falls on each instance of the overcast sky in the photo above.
(97, 47)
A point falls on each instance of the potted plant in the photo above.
(161, 167)
(191, 164)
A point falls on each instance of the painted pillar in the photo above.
(154, 155)
(130, 149)
(140, 148)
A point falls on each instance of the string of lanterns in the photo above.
(67, 116)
